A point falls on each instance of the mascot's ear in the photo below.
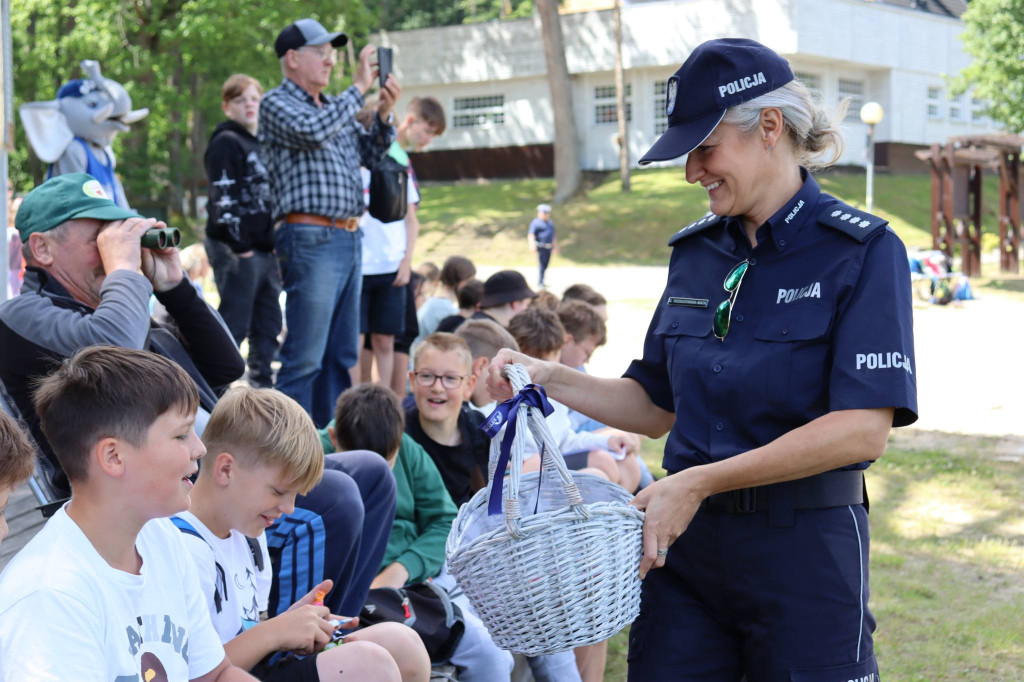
(46, 128)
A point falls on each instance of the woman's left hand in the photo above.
(669, 505)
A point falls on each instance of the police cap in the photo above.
(717, 75)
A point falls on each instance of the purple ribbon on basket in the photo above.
(507, 413)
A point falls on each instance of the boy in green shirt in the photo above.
(369, 417)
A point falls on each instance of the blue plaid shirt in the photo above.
(313, 154)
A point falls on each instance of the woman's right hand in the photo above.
(498, 386)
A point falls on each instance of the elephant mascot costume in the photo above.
(73, 133)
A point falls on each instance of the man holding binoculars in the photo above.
(92, 267)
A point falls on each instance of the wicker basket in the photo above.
(565, 574)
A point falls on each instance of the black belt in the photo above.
(828, 489)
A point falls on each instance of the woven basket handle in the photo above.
(532, 418)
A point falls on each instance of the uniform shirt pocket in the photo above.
(794, 350)
(683, 332)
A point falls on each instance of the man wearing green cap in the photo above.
(88, 282)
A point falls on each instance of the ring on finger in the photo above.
(662, 551)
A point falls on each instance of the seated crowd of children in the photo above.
(152, 566)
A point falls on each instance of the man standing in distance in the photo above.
(313, 147)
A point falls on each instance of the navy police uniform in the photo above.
(772, 582)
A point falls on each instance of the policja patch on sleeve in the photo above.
(857, 224)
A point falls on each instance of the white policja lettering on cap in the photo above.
(742, 84)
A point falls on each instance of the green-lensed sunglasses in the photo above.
(723, 313)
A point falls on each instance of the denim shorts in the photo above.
(382, 309)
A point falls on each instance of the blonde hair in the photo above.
(812, 129)
(485, 338)
(266, 427)
(443, 342)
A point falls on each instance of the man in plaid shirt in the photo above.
(313, 148)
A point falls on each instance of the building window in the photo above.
(956, 108)
(605, 110)
(811, 81)
(934, 102)
(978, 110)
(660, 101)
(478, 112)
(854, 90)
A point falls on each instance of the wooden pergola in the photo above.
(957, 168)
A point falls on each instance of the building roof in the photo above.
(946, 8)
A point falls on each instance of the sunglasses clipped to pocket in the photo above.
(723, 313)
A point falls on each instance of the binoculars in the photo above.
(161, 237)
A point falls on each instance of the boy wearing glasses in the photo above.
(442, 380)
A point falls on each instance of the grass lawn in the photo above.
(947, 566)
(487, 221)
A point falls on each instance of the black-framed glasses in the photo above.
(427, 379)
(723, 313)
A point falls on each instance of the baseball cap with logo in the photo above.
(717, 75)
(64, 198)
(306, 32)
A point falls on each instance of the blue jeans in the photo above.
(321, 269)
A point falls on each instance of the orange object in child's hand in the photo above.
(318, 598)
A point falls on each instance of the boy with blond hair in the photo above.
(484, 338)
(263, 451)
(17, 460)
(106, 589)
(442, 380)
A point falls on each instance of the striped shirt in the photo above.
(313, 154)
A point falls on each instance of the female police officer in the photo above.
(779, 356)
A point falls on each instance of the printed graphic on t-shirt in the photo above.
(161, 648)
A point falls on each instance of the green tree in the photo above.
(172, 56)
(994, 37)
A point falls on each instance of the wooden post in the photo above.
(1009, 212)
(970, 239)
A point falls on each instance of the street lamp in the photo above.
(871, 113)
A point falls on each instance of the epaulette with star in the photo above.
(857, 224)
(696, 226)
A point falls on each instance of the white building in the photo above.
(491, 77)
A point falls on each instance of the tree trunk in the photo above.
(568, 176)
(175, 139)
(620, 101)
(198, 144)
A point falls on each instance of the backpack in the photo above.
(389, 190)
(423, 606)
(220, 586)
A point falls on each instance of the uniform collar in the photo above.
(788, 220)
(776, 229)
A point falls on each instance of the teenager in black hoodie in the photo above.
(239, 231)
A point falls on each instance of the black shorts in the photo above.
(382, 308)
(286, 669)
(574, 461)
(403, 341)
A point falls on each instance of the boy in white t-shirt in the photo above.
(263, 450)
(105, 591)
(388, 247)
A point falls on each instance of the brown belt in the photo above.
(347, 224)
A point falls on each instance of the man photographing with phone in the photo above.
(313, 148)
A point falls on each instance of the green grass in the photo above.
(487, 221)
(947, 567)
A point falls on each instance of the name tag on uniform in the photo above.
(688, 302)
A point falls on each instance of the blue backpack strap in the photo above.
(186, 527)
(220, 584)
(857, 224)
(708, 220)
